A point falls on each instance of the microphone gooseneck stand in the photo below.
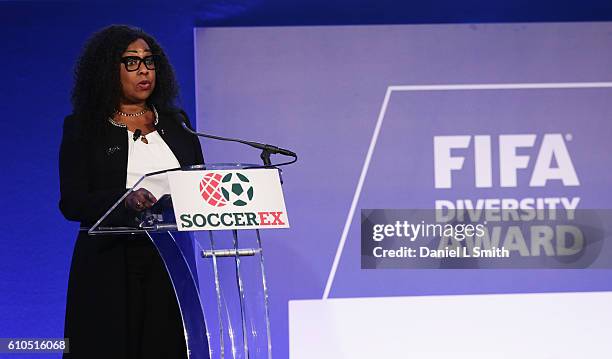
(266, 150)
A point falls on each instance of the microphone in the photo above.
(267, 150)
(137, 134)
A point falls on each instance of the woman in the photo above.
(120, 301)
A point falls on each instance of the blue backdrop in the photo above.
(40, 42)
(323, 90)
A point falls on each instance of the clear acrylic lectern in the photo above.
(218, 276)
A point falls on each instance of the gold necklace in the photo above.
(123, 125)
(125, 114)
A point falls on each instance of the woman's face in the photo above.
(137, 72)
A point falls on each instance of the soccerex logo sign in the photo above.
(224, 199)
(234, 188)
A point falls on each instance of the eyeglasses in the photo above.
(132, 63)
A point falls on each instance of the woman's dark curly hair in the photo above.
(97, 85)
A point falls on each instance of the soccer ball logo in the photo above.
(236, 189)
(210, 189)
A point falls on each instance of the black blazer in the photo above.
(93, 167)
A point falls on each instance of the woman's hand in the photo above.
(140, 199)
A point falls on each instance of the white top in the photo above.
(149, 157)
